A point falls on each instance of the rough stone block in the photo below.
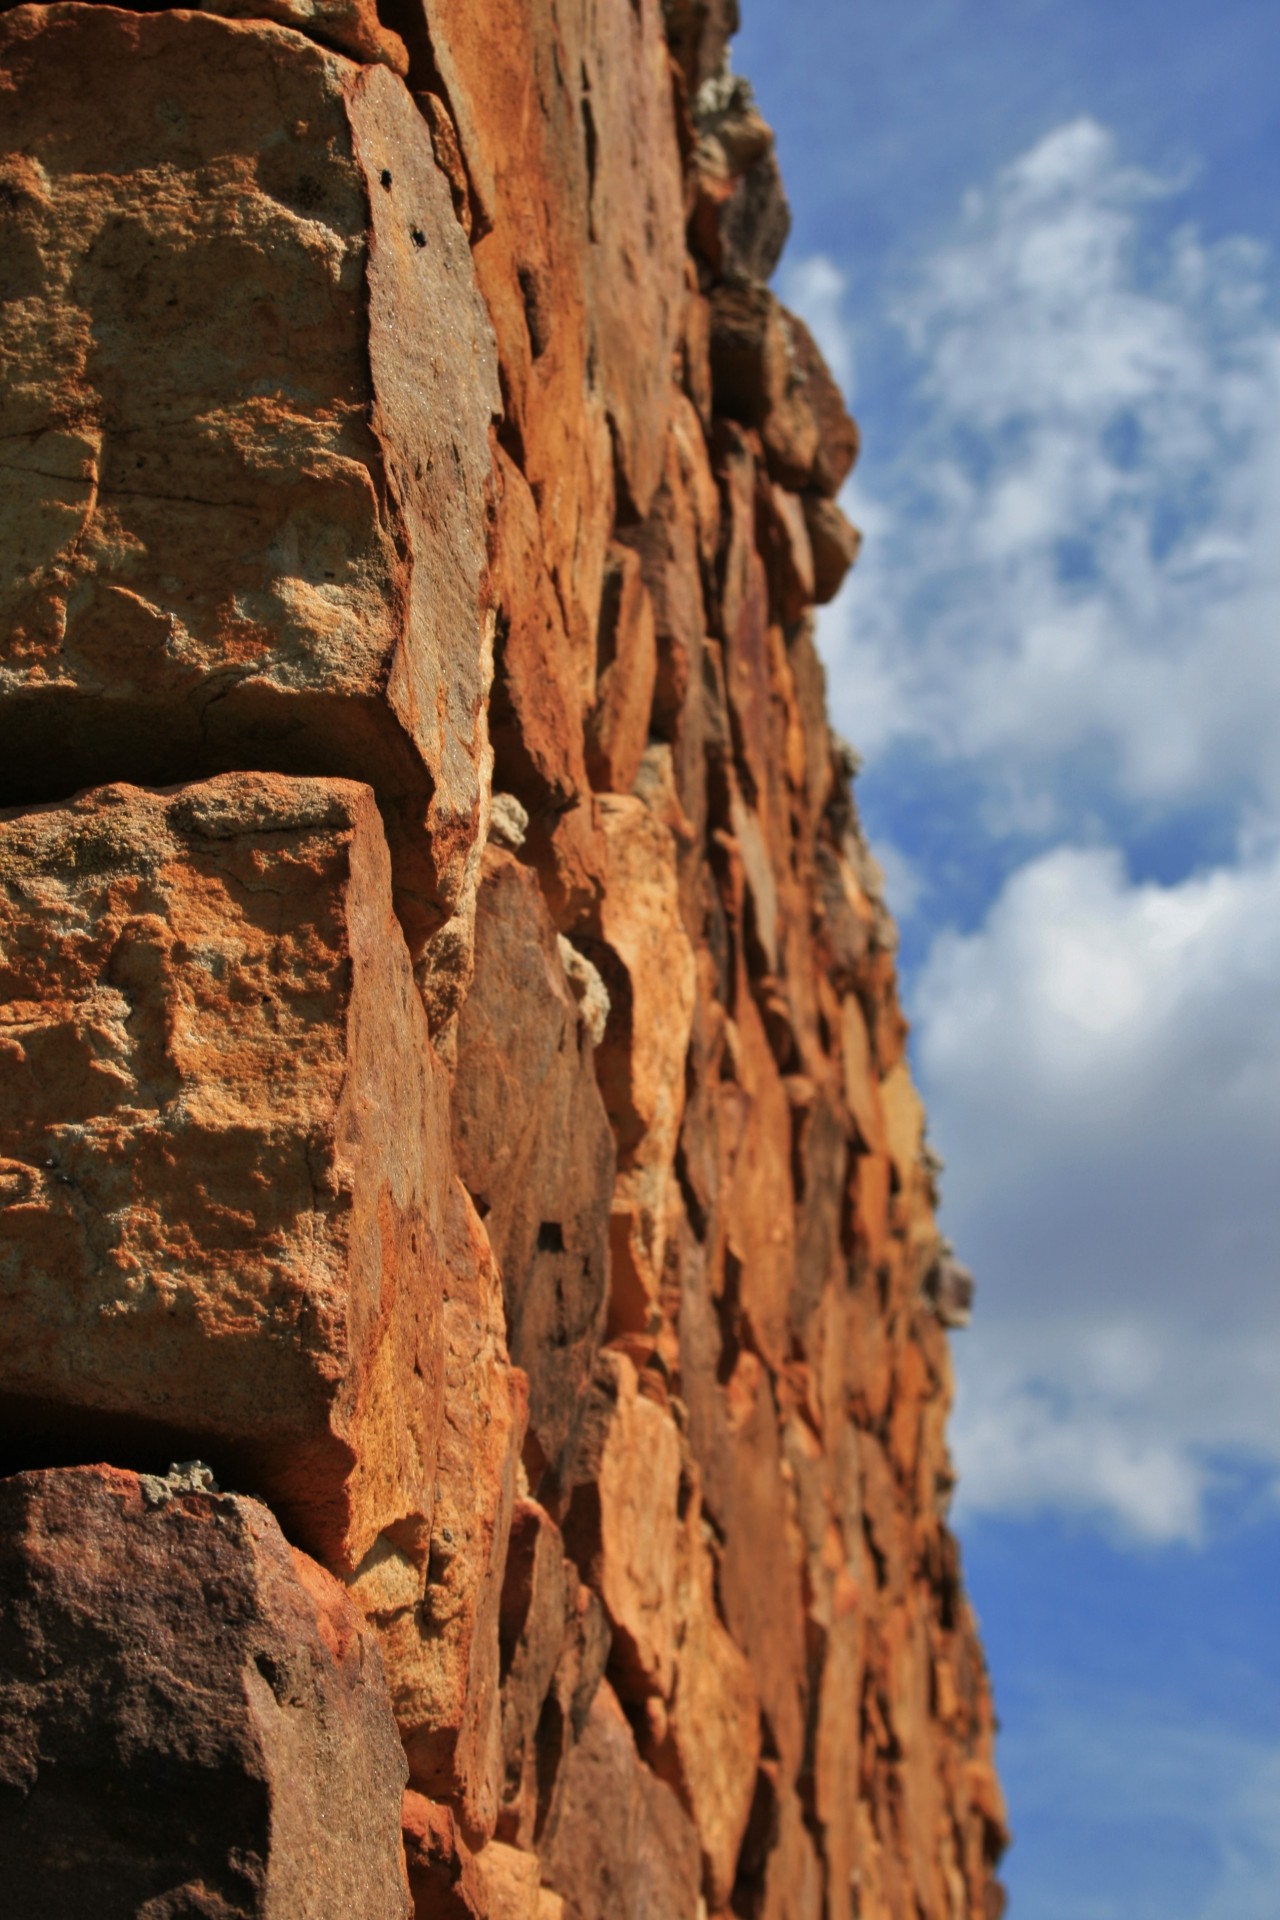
(220, 1148)
(440, 1623)
(193, 1718)
(834, 543)
(623, 1849)
(706, 1743)
(555, 1642)
(623, 1528)
(248, 390)
(643, 954)
(618, 726)
(534, 1147)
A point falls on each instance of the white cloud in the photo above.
(1070, 598)
(1073, 545)
(1102, 1065)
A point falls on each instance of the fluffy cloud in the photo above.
(1075, 558)
(1063, 633)
(1102, 1062)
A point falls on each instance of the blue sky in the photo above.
(1039, 240)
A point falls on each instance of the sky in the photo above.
(1039, 241)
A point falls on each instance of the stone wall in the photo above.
(454, 1102)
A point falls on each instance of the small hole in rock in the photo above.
(550, 1237)
(418, 237)
(386, 177)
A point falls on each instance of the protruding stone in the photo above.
(441, 1641)
(834, 543)
(508, 822)
(350, 25)
(627, 665)
(642, 951)
(622, 1526)
(247, 523)
(534, 1147)
(222, 1125)
(623, 1849)
(699, 32)
(193, 1718)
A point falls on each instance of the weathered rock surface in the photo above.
(453, 1076)
(440, 1624)
(246, 406)
(623, 1850)
(534, 1148)
(192, 1719)
(219, 1145)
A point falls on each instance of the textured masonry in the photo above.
(473, 1354)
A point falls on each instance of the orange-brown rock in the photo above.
(458, 1086)
(192, 1715)
(622, 1526)
(706, 1741)
(534, 1147)
(221, 1223)
(439, 1621)
(622, 1849)
(554, 1642)
(248, 421)
(450, 1880)
(643, 953)
(627, 667)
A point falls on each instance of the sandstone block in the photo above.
(769, 374)
(740, 218)
(534, 1147)
(618, 725)
(699, 31)
(439, 1623)
(350, 25)
(220, 1147)
(541, 687)
(760, 1214)
(861, 1087)
(193, 1718)
(246, 519)
(555, 1642)
(765, 1617)
(623, 1848)
(903, 1122)
(706, 1743)
(834, 543)
(622, 1527)
(643, 954)
(568, 132)
(838, 442)
(451, 1880)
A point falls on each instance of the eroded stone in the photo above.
(193, 1718)
(222, 1125)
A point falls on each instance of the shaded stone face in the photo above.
(534, 1147)
(247, 396)
(220, 1147)
(192, 1719)
(623, 1848)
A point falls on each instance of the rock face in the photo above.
(222, 1130)
(452, 1074)
(192, 1718)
